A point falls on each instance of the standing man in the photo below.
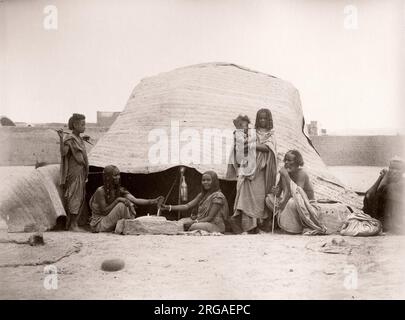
(74, 169)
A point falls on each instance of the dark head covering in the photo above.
(110, 189)
(214, 186)
(269, 124)
(215, 182)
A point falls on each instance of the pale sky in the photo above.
(348, 78)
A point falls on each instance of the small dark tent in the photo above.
(6, 122)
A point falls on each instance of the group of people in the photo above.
(260, 195)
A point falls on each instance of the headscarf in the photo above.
(208, 196)
(214, 185)
(112, 191)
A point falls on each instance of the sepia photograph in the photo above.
(202, 150)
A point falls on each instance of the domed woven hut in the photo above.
(175, 104)
(195, 98)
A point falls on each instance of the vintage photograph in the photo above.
(202, 150)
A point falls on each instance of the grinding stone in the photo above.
(112, 265)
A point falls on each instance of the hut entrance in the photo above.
(152, 185)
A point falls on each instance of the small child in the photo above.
(241, 139)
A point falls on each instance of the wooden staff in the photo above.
(84, 139)
(274, 214)
(274, 206)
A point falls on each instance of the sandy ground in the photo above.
(261, 266)
(358, 178)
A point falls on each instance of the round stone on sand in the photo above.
(37, 239)
(112, 265)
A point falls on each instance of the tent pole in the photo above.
(183, 197)
(179, 202)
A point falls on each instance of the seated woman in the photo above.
(295, 209)
(384, 200)
(211, 204)
(111, 202)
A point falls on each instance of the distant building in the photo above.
(312, 128)
(106, 119)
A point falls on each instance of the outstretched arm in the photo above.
(383, 182)
(376, 184)
(141, 202)
(183, 207)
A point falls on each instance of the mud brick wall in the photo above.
(359, 150)
(23, 146)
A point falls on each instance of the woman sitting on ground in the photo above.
(111, 202)
(211, 205)
(295, 187)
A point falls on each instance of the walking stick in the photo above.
(274, 206)
(274, 214)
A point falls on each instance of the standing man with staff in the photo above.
(74, 169)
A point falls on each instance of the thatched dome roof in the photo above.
(209, 96)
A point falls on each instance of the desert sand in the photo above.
(262, 266)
